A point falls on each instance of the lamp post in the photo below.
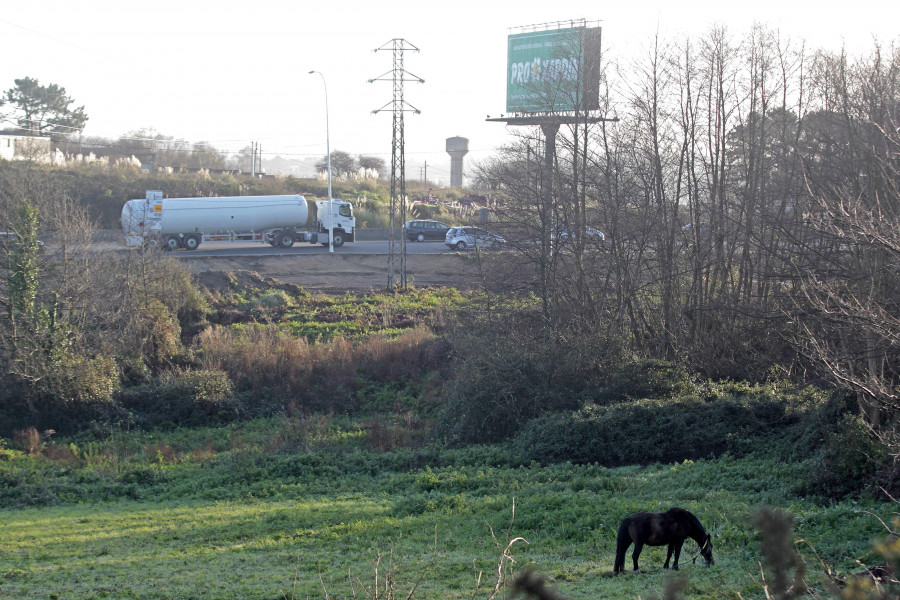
(328, 151)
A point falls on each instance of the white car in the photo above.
(5, 236)
(460, 238)
(590, 233)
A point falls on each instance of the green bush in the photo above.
(644, 379)
(161, 334)
(184, 397)
(500, 386)
(75, 392)
(511, 370)
(658, 430)
(849, 460)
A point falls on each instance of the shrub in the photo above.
(849, 459)
(265, 361)
(184, 397)
(655, 430)
(75, 391)
(273, 299)
(28, 440)
(644, 379)
(80, 380)
(512, 371)
(495, 394)
(162, 333)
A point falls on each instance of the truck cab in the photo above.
(341, 219)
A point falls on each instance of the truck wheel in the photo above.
(338, 238)
(172, 243)
(460, 245)
(191, 242)
(285, 240)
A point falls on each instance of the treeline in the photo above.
(749, 196)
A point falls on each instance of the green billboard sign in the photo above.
(554, 70)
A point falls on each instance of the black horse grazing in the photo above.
(658, 529)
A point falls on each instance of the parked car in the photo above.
(590, 233)
(460, 238)
(419, 230)
(9, 235)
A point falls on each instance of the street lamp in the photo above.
(328, 151)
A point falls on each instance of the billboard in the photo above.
(554, 70)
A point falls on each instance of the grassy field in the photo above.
(225, 513)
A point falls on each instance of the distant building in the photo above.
(20, 146)
(457, 148)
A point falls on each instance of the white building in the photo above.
(19, 146)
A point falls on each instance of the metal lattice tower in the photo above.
(398, 106)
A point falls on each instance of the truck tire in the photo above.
(191, 242)
(338, 238)
(285, 239)
(171, 243)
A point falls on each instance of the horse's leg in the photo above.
(669, 555)
(638, 546)
(678, 544)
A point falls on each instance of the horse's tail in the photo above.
(622, 542)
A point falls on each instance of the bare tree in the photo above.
(850, 319)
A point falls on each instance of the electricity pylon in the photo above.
(398, 106)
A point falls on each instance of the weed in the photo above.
(29, 440)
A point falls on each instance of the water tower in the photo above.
(457, 147)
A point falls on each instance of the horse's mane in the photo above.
(695, 523)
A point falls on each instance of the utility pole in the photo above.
(397, 76)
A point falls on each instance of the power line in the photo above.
(49, 37)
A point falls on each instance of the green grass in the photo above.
(256, 523)
(323, 317)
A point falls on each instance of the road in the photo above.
(356, 266)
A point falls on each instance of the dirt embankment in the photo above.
(344, 272)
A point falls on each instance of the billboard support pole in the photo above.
(536, 59)
(549, 130)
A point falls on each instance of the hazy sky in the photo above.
(235, 72)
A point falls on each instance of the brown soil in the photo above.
(335, 273)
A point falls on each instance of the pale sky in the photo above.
(231, 73)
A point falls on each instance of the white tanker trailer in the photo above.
(278, 220)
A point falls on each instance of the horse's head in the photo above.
(706, 551)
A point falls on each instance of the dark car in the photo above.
(419, 230)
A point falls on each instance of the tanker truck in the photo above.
(175, 223)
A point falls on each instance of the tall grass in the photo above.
(264, 360)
